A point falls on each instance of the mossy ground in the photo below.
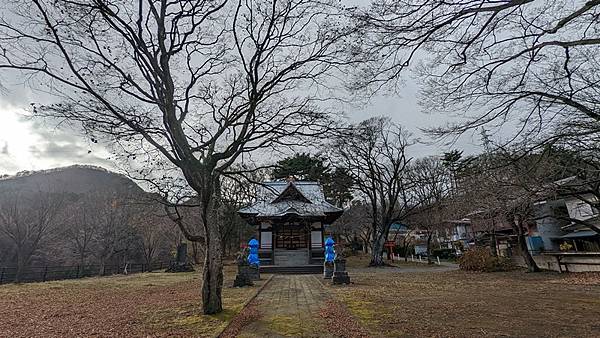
(436, 303)
(409, 300)
(139, 305)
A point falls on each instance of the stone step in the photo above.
(290, 256)
(292, 270)
(291, 253)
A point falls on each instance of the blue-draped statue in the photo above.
(253, 255)
(329, 251)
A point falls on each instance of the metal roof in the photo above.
(269, 201)
(580, 234)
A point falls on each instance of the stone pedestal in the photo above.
(242, 280)
(340, 275)
(244, 274)
(327, 270)
(181, 263)
(254, 272)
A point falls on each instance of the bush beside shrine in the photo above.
(480, 259)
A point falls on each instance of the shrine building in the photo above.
(291, 218)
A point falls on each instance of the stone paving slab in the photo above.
(289, 307)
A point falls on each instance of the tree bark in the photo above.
(102, 269)
(493, 249)
(212, 273)
(81, 264)
(377, 252)
(20, 267)
(531, 264)
(429, 236)
(521, 241)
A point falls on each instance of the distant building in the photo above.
(563, 220)
(290, 219)
(478, 229)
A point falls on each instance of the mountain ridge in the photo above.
(73, 179)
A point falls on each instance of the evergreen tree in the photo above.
(337, 184)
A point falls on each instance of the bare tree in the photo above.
(533, 64)
(28, 221)
(506, 184)
(80, 227)
(431, 183)
(355, 223)
(193, 84)
(115, 235)
(152, 227)
(406, 240)
(374, 153)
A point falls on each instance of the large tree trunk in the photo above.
(377, 251)
(20, 267)
(429, 236)
(405, 245)
(102, 269)
(212, 273)
(529, 261)
(531, 264)
(493, 249)
(149, 259)
(81, 264)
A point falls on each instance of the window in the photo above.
(291, 237)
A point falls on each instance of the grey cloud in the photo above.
(67, 152)
(19, 91)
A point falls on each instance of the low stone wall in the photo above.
(550, 263)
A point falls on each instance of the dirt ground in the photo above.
(140, 305)
(409, 300)
(437, 302)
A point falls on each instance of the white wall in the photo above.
(550, 263)
(266, 240)
(579, 209)
(316, 239)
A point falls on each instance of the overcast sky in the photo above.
(34, 145)
(27, 144)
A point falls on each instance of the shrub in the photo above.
(480, 259)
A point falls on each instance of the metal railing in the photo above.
(48, 273)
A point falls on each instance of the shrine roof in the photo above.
(281, 198)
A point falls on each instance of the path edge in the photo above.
(217, 335)
(331, 297)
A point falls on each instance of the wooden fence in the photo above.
(48, 273)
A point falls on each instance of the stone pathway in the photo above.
(289, 307)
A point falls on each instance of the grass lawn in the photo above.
(434, 303)
(139, 305)
(408, 300)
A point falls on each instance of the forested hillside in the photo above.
(80, 215)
